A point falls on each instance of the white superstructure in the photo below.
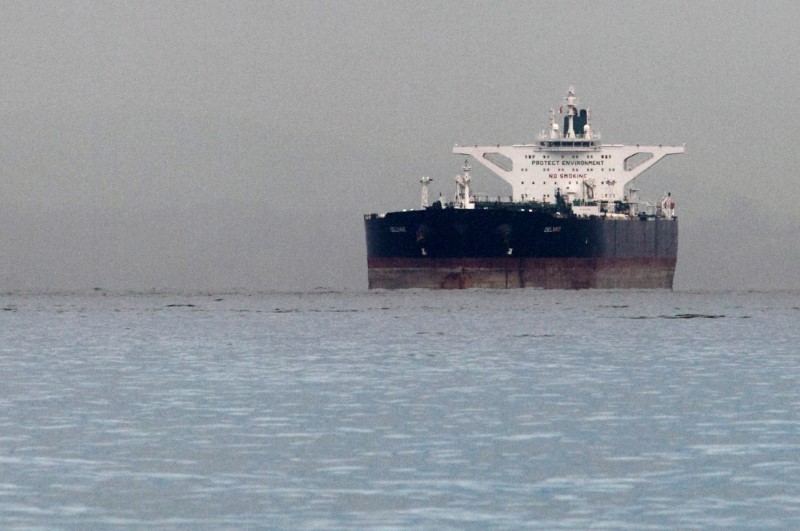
(569, 159)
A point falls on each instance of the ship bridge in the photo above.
(569, 160)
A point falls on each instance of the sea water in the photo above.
(423, 409)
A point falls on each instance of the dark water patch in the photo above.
(315, 310)
(693, 316)
(322, 290)
(680, 316)
(332, 310)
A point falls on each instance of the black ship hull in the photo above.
(518, 248)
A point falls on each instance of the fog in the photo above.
(237, 145)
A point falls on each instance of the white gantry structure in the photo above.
(567, 159)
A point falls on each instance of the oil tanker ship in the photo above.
(573, 220)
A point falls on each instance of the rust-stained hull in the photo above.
(502, 273)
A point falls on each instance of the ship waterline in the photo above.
(504, 273)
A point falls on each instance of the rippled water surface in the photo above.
(504, 409)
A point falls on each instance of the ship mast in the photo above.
(572, 111)
(462, 199)
(424, 194)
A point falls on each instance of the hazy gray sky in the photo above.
(214, 145)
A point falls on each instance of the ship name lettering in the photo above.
(397, 229)
(552, 229)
